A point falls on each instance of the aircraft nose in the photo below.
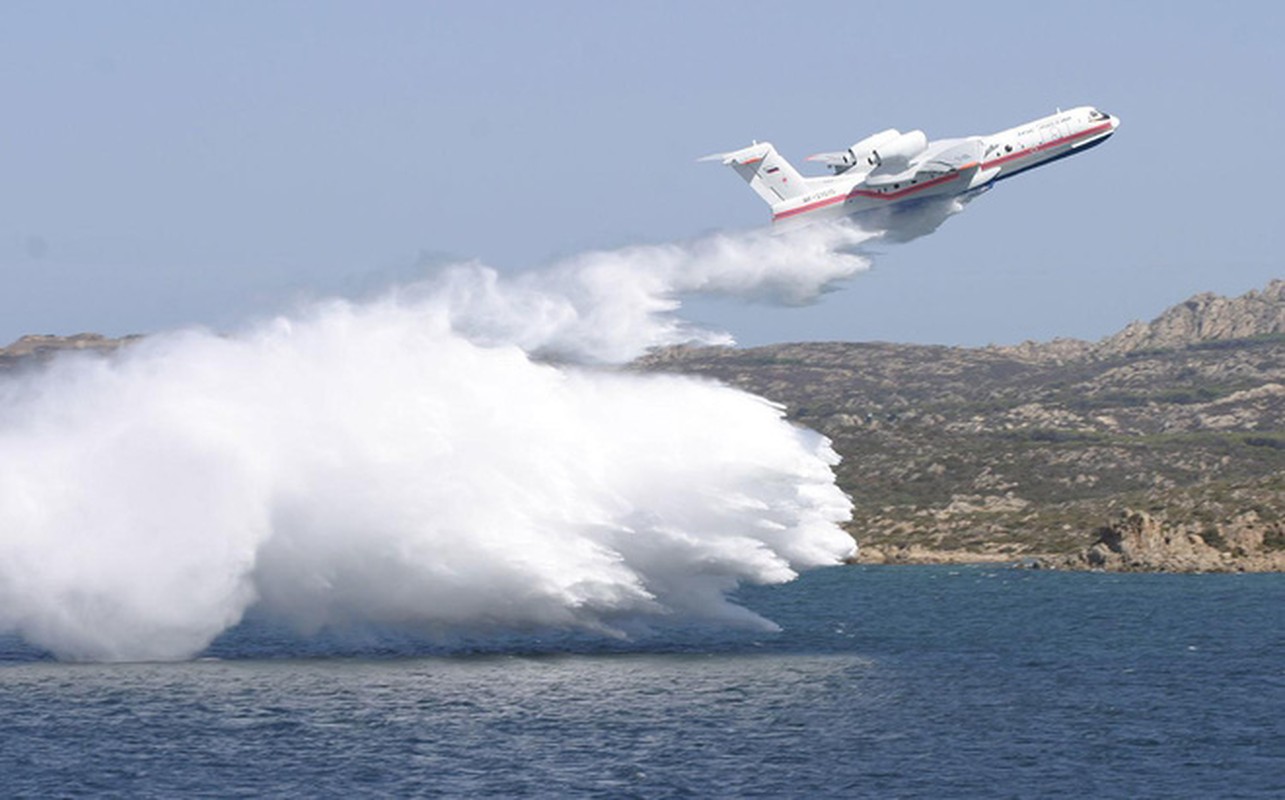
(1115, 122)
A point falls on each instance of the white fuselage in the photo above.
(1004, 154)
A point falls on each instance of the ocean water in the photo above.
(974, 681)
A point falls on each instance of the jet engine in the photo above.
(891, 146)
(858, 155)
(896, 153)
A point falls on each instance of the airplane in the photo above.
(891, 168)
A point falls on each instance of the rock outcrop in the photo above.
(1205, 318)
(37, 347)
(1141, 542)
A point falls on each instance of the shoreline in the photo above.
(917, 556)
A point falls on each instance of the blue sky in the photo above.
(169, 163)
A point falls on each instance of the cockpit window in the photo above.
(1095, 115)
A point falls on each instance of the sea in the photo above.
(882, 682)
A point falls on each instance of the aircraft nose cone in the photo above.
(1115, 122)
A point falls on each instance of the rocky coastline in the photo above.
(1136, 541)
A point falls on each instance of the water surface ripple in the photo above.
(885, 682)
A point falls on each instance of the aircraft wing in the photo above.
(939, 158)
(948, 154)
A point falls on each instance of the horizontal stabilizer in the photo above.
(840, 159)
(746, 155)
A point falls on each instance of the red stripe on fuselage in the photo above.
(1106, 126)
(829, 201)
(909, 190)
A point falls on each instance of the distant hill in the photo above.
(1044, 448)
(1203, 319)
(39, 347)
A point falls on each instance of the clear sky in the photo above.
(167, 163)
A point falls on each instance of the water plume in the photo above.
(608, 306)
(457, 455)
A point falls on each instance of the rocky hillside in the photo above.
(1037, 449)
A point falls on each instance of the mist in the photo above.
(461, 454)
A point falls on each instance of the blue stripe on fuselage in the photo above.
(1072, 152)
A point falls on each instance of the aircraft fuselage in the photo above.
(914, 168)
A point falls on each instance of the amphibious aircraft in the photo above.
(891, 168)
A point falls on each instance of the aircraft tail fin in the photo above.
(766, 171)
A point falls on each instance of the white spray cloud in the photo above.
(407, 461)
(611, 305)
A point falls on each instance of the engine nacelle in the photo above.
(890, 149)
(896, 153)
(862, 152)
